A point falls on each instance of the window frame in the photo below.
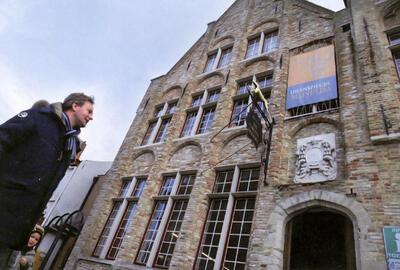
(103, 250)
(199, 109)
(160, 233)
(242, 95)
(225, 232)
(262, 41)
(219, 62)
(151, 135)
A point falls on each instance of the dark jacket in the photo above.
(32, 162)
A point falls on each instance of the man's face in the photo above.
(82, 114)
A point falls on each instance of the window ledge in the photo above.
(148, 145)
(386, 139)
(235, 128)
(211, 73)
(257, 58)
(96, 260)
(191, 137)
(310, 114)
(219, 195)
(241, 194)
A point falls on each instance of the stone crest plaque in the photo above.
(316, 159)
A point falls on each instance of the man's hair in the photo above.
(78, 98)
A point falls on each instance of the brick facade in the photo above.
(367, 185)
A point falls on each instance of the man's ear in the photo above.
(74, 107)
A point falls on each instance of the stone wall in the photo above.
(367, 184)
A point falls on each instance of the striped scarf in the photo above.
(71, 135)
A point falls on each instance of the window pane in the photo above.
(106, 230)
(189, 123)
(265, 81)
(243, 86)
(397, 61)
(210, 62)
(225, 57)
(252, 47)
(158, 111)
(394, 39)
(186, 184)
(238, 240)
(171, 108)
(196, 100)
(124, 188)
(122, 228)
(213, 96)
(270, 42)
(163, 131)
(248, 179)
(151, 232)
(171, 234)
(239, 112)
(166, 187)
(211, 235)
(139, 187)
(150, 129)
(206, 120)
(223, 181)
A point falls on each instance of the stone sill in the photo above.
(96, 260)
(192, 137)
(386, 139)
(148, 145)
(264, 56)
(201, 77)
(236, 128)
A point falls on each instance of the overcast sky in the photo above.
(109, 49)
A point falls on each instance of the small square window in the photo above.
(225, 57)
(207, 120)
(265, 81)
(243, 86)
(146, 138)
(158, 111)
(270, 42)
(196, 100)
(252, 47)
(171, 108)
(213, 96)
(210, 62)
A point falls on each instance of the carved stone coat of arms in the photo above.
(316, 159)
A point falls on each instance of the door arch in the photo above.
(319, 238)
(273, 231)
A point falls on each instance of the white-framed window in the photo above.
(163, 230)
(264, 43)
(218, 59)
(241, 102)
(122, 213)
(157, 129)
(200, 116)
(226, 236)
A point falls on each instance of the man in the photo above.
(36, 148)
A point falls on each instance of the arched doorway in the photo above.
(318, 238)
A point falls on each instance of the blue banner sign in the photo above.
(311, 92)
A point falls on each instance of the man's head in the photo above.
(79, 108)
